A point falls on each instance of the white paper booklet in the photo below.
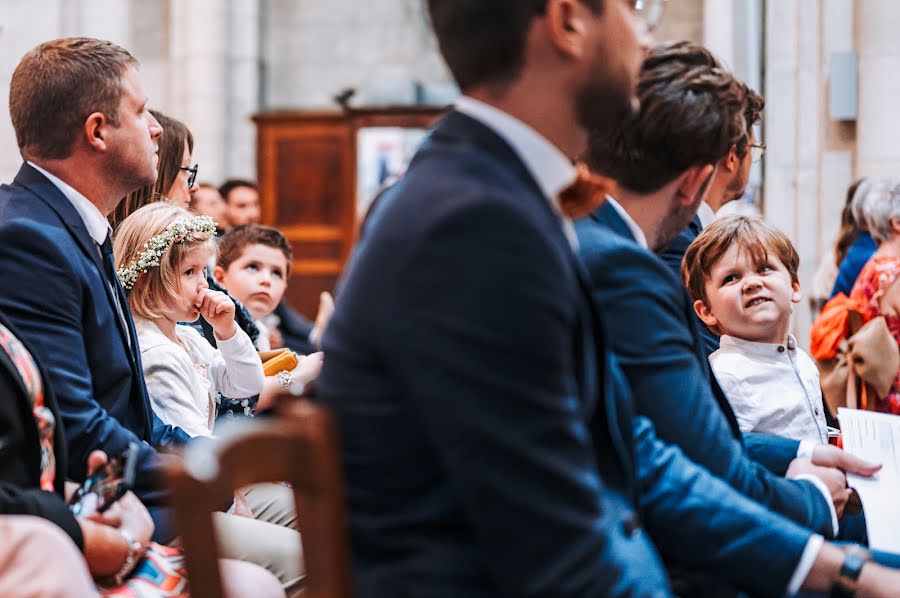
(876, 437)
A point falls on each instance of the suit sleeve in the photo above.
(498, 398)
(655, 348)
(727, 534)
(775, 453)
(43, 298)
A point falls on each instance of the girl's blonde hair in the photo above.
(158, 286)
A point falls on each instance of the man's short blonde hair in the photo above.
(159, 286)
(753, 235)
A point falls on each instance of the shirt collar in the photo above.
(766, 350)
(706, 214)
(96, 224)
(636, 231)
(552, 170)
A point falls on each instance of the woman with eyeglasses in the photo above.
(176, 177)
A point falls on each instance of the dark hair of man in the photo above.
(234, 242)
(754, 104)
(57, 85)
(483, 41)
(232, 184)
(691, 114)
(171, 153)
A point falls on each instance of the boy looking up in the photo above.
(742, 275)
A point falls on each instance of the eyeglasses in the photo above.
(756, 151)
(651, 11)
(192, 174)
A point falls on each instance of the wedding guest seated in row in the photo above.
(207, 201)
(732, 170)
(161, 257)
(863, 244)
(882, 210)
(175, 181)
(742, 276)
(254, 264)
(827, 271)
(58, 284)
(115, 546)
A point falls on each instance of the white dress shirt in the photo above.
(705, 214)
(636, 230)
(183, 379)
(773, 388)
(551, 169)
(94, 221)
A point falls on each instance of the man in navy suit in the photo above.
(82, 125)
(732, 173)
(663, 159)
(461, 357)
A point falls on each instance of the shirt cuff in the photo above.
(806, 448)
(807, 560)
(824, 490)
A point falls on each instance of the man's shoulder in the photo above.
(609, 255)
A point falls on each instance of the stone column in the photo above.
(242, 88)
(198, 50)
(878, 127)
(793, 132)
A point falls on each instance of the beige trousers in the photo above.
(270, 539)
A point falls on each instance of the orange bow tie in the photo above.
(585, 194)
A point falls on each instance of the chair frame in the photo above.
(300, 446)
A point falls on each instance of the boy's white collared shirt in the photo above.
(773, 388)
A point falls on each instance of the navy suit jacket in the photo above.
(673, 255)
(655, 337)
(462, 369)
(53, 289)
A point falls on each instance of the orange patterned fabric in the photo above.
(876, 277)
(44, 419)
(830, 327)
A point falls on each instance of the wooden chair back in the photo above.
(300, 446)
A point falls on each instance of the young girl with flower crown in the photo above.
(161, 256)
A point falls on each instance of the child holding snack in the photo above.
(742, 275)
(161, 256)
(254, 264)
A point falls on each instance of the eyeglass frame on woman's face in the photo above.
(192, 174)
(756, 151)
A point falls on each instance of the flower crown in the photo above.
(157, 246)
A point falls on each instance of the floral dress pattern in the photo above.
(876, 277)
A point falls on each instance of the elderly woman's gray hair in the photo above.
(879, 203)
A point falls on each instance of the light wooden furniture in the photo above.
(299, 446)
(307, 171)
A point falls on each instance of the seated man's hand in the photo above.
(129, 514)
(831, 456)
(834, 480)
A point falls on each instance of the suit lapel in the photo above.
(47, 192)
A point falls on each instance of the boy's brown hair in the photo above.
(753, 235)
(233, 243)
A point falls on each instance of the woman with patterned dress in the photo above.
(880, 272)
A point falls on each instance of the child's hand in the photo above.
(217, 309)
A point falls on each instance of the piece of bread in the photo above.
(285, 361)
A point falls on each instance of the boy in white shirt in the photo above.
(742, 276)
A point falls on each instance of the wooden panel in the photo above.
(306, 164)
(303, 292)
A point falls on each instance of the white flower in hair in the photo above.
(157, 246)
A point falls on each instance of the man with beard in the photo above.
(663, 159)
(461, 358)
(732, 172)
